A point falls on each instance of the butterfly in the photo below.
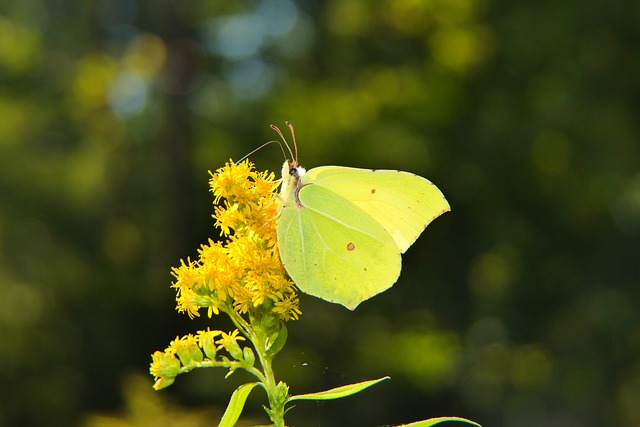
(341, 231)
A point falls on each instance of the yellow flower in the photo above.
(230, 343)
(164, 367)
(187, 350)
(206, 340)
(241, 276)
(244, 272)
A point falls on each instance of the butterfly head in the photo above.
(295, 171)
(291, 173)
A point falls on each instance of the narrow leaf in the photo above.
(236, 404)
(338, 392)
(433, 421)
(278, 342)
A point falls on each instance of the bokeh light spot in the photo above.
(551, 153)
(122, 241)
(348, 17)
(237, 37)
(626, 209)
(19, 46)
(127, 94)
(251, 78)
(94, 74)
(146, 54)
(530, 368)
(460, 49)
(491, 273)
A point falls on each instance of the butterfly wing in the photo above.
(401, 202)
(335, 250)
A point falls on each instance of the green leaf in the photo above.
(279, 340)
(433, 421)
(236, 404)
(338, 392)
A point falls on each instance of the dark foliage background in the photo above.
(519, 308)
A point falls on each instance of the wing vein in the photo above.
(342, 223)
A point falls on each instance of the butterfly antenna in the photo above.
(293, 136)
(260, 148)
(274, 127)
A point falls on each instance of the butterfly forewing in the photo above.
(401, 202)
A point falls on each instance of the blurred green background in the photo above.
(519, 308)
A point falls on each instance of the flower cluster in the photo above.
(189, 352)
(241, 277)
(243, 273)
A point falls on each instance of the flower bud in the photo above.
(163, 383)
(188, 350)
(234, 349)
(208, 345)
(248, 357)
(164, 367)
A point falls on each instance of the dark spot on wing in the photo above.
(351, 246)
(373, 190)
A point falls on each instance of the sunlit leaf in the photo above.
(236, 404)
(338, 392)
(433, 421)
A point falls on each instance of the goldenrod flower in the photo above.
(206, 339)
(187, 350)
(164, 367)
(229, 342)
(241, 276)
(243, 273)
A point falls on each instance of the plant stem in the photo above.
(274, 392)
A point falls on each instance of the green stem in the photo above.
(267, 377)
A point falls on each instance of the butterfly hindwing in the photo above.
(335, 250)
